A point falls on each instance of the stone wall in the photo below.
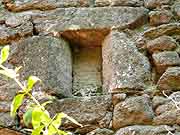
(114, 65)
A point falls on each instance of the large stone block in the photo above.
(48, 58)
(87, 26)
(123, 66)
(133, 111)
(89, 111)
(63, 19)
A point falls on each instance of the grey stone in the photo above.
(24, 5)
(89, 111)
(48, 58)
(155, 3)
(170, 80)
(101, 131)
(144, 130)
(133, 111)
(163, 60)
(19, 30)
(6, 119)
(89, 18)
(123, 66)
(133, 3)
(176, 9)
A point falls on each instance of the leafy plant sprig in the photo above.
(37, 115)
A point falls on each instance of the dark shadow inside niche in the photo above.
(86, 48)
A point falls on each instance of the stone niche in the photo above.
(87, 71)
(87, 61)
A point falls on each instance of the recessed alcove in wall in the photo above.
(87, 60)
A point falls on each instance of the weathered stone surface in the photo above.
(88, 111)
(5, 131)
(21, 5)
(116, 98)
(133, 111)
(155, 3)
(144, 130)
(160, 17)
(165, 29)
(163, 43)
(123, 66)
(49, 59)
(89, 18)
(100, 131)
(133, 3)
(170, 80)
(163, 60)
(18, 29)
(87, 70)
(6, 119)
(16, 20)
(8, 89)
(176, 9)
(5, 106)
(168, 112)
(158, 100)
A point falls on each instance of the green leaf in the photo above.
(27, 117)
(17, 101)
(31, 81)
(57, 121)
(53, 127)
(4, 54)
(38, 130)
(36, 117)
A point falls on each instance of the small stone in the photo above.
(133, 111)
(163, 43)
(163, 60)
(145, 130)
(155, 3)
(170, 80)
(164, 29)
(16, 20)
(158, 100)
(160, 17)
(176, 9)
(101, 131)
(116, 98)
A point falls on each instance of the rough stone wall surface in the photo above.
(114, 65)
